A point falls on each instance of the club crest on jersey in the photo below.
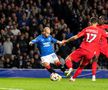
(49, 39)
(42, 40)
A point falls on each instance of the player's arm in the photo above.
(72, 38)
(59, 42)
(34, 41)
(75, 37)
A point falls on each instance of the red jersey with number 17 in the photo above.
(92, 36)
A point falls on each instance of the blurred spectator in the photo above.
(68, 33)
(14, 62)
(1, 49)
(15, 31)
(33, 63)
(37, 60)
(29, 66)
(23, 44)
(20, 59)
(64, 50)
(8, 46)
(22, 62)
(7, 63)
(2, 59)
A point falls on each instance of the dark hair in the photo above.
(93, 20)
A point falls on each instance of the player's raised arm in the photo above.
(75, 37)
(72, 38)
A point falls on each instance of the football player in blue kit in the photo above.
(46, 49)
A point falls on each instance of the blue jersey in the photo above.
(44, 44)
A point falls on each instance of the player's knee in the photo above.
(46, 65)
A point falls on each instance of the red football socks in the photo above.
(78, 71)
(94, 67)
(58, 63)
(50, 69)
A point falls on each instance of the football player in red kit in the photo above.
(87, 49)
(103, 48)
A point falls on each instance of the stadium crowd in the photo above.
(23, 20)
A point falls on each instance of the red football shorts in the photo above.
(80, 53)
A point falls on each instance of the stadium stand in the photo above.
(23, 20)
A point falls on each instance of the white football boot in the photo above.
(93, 78)
(68, 73)
(72, 79)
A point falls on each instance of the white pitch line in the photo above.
(11, 89)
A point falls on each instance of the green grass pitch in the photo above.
(47, 84)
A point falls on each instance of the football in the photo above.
(54, 77)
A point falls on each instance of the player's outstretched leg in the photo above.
(68, 62)
(79, 70)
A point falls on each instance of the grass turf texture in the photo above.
(47, 84)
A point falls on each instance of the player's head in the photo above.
(93, 21)
(101, 20)
(46, 31)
